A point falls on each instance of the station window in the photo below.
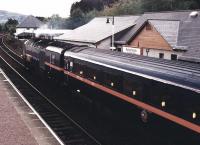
(161, 55)
(173, 57)
(119, 49)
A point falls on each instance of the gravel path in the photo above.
(13, 130)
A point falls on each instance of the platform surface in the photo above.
(19, 125)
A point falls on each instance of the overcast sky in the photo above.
(38, 7)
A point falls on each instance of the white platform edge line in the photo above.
(30, 106)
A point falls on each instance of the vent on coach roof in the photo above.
(194, 14)
(79, 48)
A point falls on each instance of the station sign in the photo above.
(132, 50)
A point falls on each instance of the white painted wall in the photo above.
(155, 53)
(105, 44)
(21, 30)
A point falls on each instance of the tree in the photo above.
(56, 22)
(10, 26)
(42, 19)
(88, 5)
(1, 28)
(169, 5)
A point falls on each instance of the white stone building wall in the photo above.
(21, 30)
(155, 53)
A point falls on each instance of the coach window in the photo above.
(76, 68)
(66, 64)
(71, 65)
(134, 87)
(127, 87)
(52, 59)
(112, 81)
(87, 71)
(90, 73)
(107, 81)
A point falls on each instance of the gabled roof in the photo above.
(97, 29)
(168, 30)
(189, 35)
(188, 29)
(170, 16)
(30, 22)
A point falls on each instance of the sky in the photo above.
(45, 8)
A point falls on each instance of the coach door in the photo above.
(67, 67)
(42, 59)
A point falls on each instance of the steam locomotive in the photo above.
(168, 89)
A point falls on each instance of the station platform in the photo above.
(20, 124)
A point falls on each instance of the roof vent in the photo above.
(194, 14)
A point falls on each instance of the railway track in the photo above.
(67, 130)
(16, 57)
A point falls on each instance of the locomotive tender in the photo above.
(169, 89)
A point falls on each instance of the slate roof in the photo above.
(188, 31)
(168, 30)
(30, 22)
(97, 29)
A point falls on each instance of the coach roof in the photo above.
(182, 74)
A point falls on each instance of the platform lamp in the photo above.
(113, 30)
(147, 51)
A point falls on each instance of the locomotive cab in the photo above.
(35, 52)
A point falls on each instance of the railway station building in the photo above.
(28, 26)
(98, 32)
(167, 35)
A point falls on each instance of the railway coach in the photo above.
(54, 59)
(45, 56)
(169, 89)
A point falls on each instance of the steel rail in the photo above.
(41, 94)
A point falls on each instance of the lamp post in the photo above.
(113, 30)
(147, 51)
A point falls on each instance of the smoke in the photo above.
(45, 26)
(54, 26)
(56, 22)
(49, 30)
